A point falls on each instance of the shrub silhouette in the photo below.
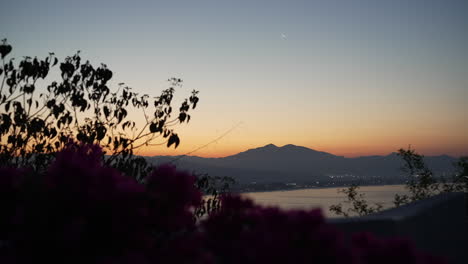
(81, 211)
(421, 183)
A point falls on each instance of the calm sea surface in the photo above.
(325, 197)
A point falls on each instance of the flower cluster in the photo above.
(253, 234)
(83, 212)
(243, 232)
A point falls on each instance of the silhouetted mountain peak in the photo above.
(289, 152)
(265, 149)
(291, 163)
(294, 147)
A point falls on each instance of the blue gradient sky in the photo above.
(351, 78)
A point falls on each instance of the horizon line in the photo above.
(347, 157)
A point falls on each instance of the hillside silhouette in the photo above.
(291, 163)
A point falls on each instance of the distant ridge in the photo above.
(291, 163)
(289, 148)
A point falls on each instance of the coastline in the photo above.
(314, 188)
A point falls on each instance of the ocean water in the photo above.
(325, 197)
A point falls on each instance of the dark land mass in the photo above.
(273, 168)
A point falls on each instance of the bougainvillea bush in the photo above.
(80, 211)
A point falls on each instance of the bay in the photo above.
(325, 197)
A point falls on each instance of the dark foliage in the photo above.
(81, 211)
(213, 187)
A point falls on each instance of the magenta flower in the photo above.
(172, 198)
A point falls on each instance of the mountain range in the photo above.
(292, 163)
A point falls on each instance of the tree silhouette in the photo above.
(36, 123)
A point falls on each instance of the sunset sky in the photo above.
(347, 77)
